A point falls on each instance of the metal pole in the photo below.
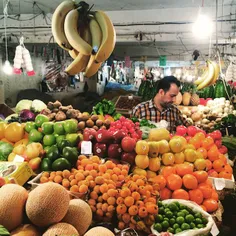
(216, 25)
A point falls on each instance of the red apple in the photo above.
(100, 149)
(103, 136)
(129, 157)
(128, 144)
(114, 151)
(223, 149)
(192, 130)
(89, 134)
(218, 143)
(181, 130)
(118, 135)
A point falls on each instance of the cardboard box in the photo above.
(5, 110)
(15, 172)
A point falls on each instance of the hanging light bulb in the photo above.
(7, 68)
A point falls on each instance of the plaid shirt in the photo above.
(147, 110)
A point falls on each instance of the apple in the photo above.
(192, 130)
(181, 130)
(114, 151)
(129, 157)
(128, 144)
(218, 143)
(223, 149)
(35, 163)
(89, 134)
(118, 135)
(103, 136)
(100, 149)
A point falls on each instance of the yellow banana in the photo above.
(58, 24)
(72, 34)
(78, 65)
(216, 72)
(108, 36)
(86, 35)
(73, 53)
(202, 77)
(96, 34)
(92, 67)
(209, 77)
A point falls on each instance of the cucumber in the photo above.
(219, 89)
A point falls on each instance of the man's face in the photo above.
(167, 98)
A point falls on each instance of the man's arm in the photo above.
(136, 112)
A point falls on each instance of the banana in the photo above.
(72, 34)
(202, 77)
(209, 78)
(108, 36)
(58, 24)
(73, 53)
(217, 72)
(96, 34)
(92, 67)
(78, 65)
(86, 35)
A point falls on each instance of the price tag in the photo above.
(18, 159)
(214, 230)
(219, 183)
(86, 147)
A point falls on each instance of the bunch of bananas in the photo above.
(209, 76)
(89, 37)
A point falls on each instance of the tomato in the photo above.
(217, 134)
(181, 130)
(14, 132)
(223, 149)
(192, 130)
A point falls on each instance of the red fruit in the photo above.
(103, 136)
(212, 173)
(192, 130)
(118, 135)
(181, 130)
(100, 149)
(2, 181)
(223, 149)
(188, 138)
(114, 151)
(217, 134)
(201, 131)
(128, 144)
(89, 134)
(218, 143)
(129, 157)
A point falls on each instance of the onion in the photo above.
(27, 115)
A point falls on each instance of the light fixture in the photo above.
(203, 27)
(7, 68)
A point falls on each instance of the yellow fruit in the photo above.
(168, 159)
(154, 164)
(199, 155)
(31, 151)
(163, 146)
(25, 230)
(11, 156)
(47, 204)
(153, 149)
(159, 134)
(14, 132)
(190, 146)
(3, 125)
(22, 141)
(190, 155)
(177, 144)
(79, 211)
(12, 199)
(99, 231)
(20, 149)
(200, 164)
(61, 229)
(142, 161)
(151, 174)
(142, 147)
(179, 158)
(139, 171)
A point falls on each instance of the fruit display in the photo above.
(88, 36)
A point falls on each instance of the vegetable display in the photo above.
(104, 107)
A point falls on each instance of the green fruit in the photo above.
(62, 144)
(181, 214)
(160, 204)
(189, 218)
(204, 221)
(161, 210)
(169, 214)
(181, 207)
(71, 126)
(192, 225)
(158, 227)
(59, 128)
(165, 224)
(73, 139)
(49, 140)
(198, 221)
(199, 226)
(46, 164)
(180, 220)
(172, 221)
(29, 126)
(159, 218)
(175, 226)
(46, 148)
(178, 230)
(171, 230)
(61, 164)
(40, 119)
(53, 153)
(166, 219)
(185, 226)
(59, 137)
(173, 207)
(35, 136)
(47, 127)
(198, 215)
(71, 154)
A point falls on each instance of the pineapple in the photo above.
(186, 98)
(190, 96)
(195, 100)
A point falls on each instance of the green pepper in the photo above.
(63, 143)
(106, 106)
(71, 154)
(111, 108)
(61, 164)
(46, 164)
(53, 153)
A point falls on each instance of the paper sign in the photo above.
(86, 147)
(18, 159)
(219, 183)
(214, 230)
(162, 60)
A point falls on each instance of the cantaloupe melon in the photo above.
(25, 230)
(159, 134)
(61, 229)
(12, 205)
(79, 215)
(47, 204)
(99, 231)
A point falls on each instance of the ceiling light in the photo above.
(7, 68)
(203, 27)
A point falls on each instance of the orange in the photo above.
(212, 173)
(195, 142)
(210, 204)
(121, 209)
(208, 165)
(225, 175)
(218, 165)
(167, 170)
(196, 195)
(203, 151)
(142, 212)
(165, 193)
(14, 132)
(207, 143)
(180, 194)
(174, 182)
(190, 181)
(152, 208)
(129, 201)
(168, 159)
(206, 190)
(214, 195)
(133, 210)
(223, 158)
(200, 175)
(183, 169)
(213, 153)
(160, 180)
(228, 169)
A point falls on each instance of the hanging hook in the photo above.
(22, 41)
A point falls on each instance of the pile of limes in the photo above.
(176, 217)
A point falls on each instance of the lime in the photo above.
(171, 230)
(197, 215)
(71, 126)
(47, 127)
(73, 139)
(189, 218)
(158, 227)
(180, 220)
(172, 221)
(35, 136)
(160, 203)
(29, 126)
(185, 212)
(192, 225)
(185, 226)
(161, 210)
(178, 230)
(173, 207)
(169, 214)
(181, 214)
(40, 119)
(159, 218)
(166, 219)
(165, 224)
(198, 221)
(177, 204)
(49, 140)
(175, 226)
(199, 226)
(204, 221)
(59, 128)
(181, 207)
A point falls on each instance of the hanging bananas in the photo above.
(89, 37)
(209, 76)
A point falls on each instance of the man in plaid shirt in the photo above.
(161, 106)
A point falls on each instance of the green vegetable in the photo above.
(63, 143)
(111, 109)
(5, 150)
(3, 231)
(23, 104)
(220, 89)
(104, 107)
(38, 105)
(117, 116)
(61, 164)
(71, 154)
(46, 164)
(53, 153)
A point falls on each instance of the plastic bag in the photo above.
(196, 208)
